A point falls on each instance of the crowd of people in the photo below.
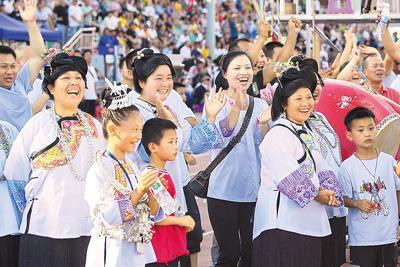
(77, 191)
(174, 27)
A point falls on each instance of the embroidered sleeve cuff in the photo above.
(223, 125)
(160, 216)
(204, 136)
(299, 187)
(126, 210)
(329, 181)
(17, 190)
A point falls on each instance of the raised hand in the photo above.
(356, 56)
(164, 112)
(265, 115)
(28, 13)
(214, 104)
(349, 35)
(368, 50)
(295, 25)
(264, 29)
(146, 180)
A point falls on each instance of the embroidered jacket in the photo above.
(290, 181)
(45, 191)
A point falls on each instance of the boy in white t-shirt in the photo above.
(371, 192)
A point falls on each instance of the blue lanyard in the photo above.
(122, 167)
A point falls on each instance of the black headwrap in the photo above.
(61, 64)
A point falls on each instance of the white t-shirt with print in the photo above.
(378, 227)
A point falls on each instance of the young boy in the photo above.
(159, 139)
(371, 192)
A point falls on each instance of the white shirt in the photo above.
(388, 80)
(110, 213)
(36, 92)
(75, 11)
(280, 152)
(43, 15)
(380, 226)
(38, 170)
(8, 220)
(110, 22)
(396, 83)
(91, 79)
(185, 52)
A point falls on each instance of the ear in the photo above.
(349, 136)
(130, 73)
(223, 73)
(51, 88)
(153, 147)
(112, 129)
(142, 84)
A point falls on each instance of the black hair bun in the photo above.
(60, 60)
(306, 74)
(106, 97)
(291, 75)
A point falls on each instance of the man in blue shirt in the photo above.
(14, 87)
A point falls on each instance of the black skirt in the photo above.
(334, 245)
(39, 251)
(9, 250)
(279, 248)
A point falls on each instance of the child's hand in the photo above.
(187, 222)
(364, 205)
(327, 197)
(146, 180)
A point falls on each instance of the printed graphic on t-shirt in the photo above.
(372, 192)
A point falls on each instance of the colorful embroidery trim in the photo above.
(54, 157)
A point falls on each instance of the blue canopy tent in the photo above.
(12, 29)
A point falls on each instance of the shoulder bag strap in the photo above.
(235, 140)
(301, 141)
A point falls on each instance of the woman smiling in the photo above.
(47, 168)
(296, 182)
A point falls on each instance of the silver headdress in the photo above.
(120, 97)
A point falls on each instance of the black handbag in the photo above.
(198, 185)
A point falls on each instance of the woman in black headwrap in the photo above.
(334, 245)
(296, 183)
(47, 168)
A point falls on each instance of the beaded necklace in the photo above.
(61, 135)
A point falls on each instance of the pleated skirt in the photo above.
(9, 250)
(279, 248)
(39, 251)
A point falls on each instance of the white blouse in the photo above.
(42, 184)
(113, 216)
(290, 183)
(8, 220)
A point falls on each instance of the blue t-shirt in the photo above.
(378, 227)
(15, 107)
